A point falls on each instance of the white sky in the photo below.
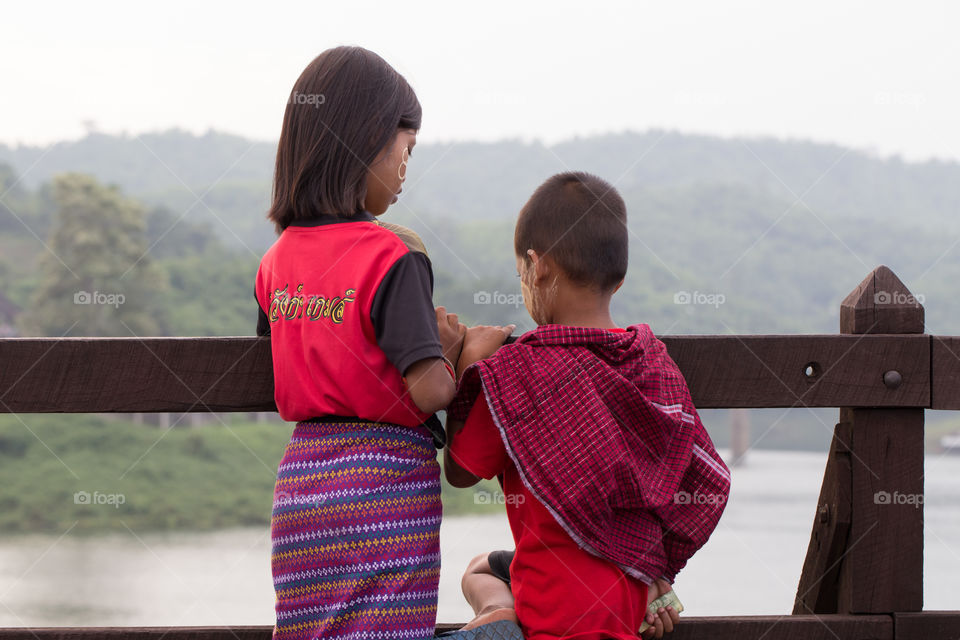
(881, 76)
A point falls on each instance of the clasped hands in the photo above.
(463, 345)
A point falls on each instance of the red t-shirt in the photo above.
(560, 590)
(348, 306)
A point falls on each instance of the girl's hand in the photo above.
(452, 332)
(480, 342)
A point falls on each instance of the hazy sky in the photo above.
(879, 76)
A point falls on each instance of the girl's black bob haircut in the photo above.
(344, 109)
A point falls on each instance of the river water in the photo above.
(751, 565)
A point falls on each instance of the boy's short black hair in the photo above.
(580, 221)
(345, 107)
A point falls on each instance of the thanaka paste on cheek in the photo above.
(402, 169)
(534, 302)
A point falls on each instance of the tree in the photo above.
(97, 278)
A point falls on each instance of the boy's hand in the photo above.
(480, 342)
(666, 619)
(662, 623)
(452, 332)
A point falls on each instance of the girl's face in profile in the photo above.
(386, 175)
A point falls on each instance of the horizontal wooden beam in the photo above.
(945, 369)
(770, 371)
(926, 625)
(789, 627)
(108, 375)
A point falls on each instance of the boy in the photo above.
(612, 482)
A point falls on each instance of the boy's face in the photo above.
(533, 298)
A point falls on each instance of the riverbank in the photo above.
(98, 474)
(750, 565)
(95, 474)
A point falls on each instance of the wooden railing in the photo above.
(863, 573)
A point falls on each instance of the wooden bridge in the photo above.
(863, 574)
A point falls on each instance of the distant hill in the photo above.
(706, 214)
(470, 181)
(148, 163)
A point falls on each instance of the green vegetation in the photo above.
(147, 478)
(97, 278)
(782, 230)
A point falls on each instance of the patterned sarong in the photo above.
(355, 532)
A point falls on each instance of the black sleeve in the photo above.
(403, 314)
(263, 323)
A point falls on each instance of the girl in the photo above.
(360, 362)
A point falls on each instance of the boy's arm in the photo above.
(474, 449)
(457, 476)
(481, 342)
(478, 342)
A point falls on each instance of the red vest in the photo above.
(317, 285)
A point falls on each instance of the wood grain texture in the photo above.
(768, 371)
(881, 303)
(104, 375)
(928, 625)
(945, 372)
(883, 571)
(880, 570)
(818, 591)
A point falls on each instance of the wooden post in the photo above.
(866, 547)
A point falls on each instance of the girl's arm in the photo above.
(430, 384)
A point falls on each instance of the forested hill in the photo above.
(486, 180)
(777, 232)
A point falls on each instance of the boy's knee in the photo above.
(479, 564)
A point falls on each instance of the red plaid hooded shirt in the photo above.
(603, 432)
